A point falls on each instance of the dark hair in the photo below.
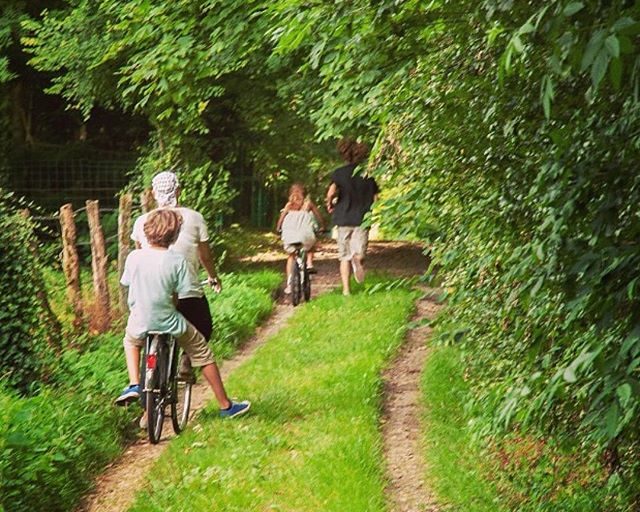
(352, 151)
(162, 227)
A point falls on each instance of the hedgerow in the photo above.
(24, 329)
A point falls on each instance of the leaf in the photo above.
(516, 43)
(593, 47)
(612, 45)
(612, 421)
(547, 96)
(623, 24)
(599, 67)
(572, 8)
(624, 393)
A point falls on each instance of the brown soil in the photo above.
(401, 425)
(115, 489)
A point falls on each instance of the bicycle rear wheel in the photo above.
(180, 398)
(155, 386)
(296, 291)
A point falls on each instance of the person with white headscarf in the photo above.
(193, 244)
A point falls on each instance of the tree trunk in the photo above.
(71, 263)
(124, 232)
(102, 314)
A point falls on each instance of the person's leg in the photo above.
(359, 242)
(345, 273)
(212, 374)
(344, 255)
(196, 347)
(196, 310)
(132, 355)
(289, 268)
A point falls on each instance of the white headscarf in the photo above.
(165, 188)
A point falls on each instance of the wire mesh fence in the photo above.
(49, 182)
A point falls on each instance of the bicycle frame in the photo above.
(161, 386)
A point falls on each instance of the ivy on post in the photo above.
(71, 262)
(101, 318)
(124, 231)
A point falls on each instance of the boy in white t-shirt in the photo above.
(155, 276)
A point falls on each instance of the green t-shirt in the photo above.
(153, 276)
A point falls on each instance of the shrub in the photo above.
(23, 320)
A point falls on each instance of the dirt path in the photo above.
(401, 426)
(115, 489)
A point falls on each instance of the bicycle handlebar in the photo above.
(214, 283)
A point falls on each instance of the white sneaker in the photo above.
(287, 290)
(358, 269)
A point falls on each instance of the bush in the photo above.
(23, 319)
(50, 445)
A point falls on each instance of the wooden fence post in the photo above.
(54, 332)
(146, 200)
(124, 231)
(99, 268)
(71, 262)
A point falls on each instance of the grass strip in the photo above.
(312, 440)
(455, 468)
(519, 470)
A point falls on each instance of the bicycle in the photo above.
(300, 277)
(162, 387)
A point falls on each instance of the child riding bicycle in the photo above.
(155, 276)
(297, 223)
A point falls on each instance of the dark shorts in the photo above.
(196, 310)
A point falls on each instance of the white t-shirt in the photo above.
(192, 232)
(297, 228)
(153, 276)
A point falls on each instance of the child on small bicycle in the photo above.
(298, 221)
(155, 275)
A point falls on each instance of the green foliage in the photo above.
(24, 328)
(519, 472)
(53, 443)
(244, 301)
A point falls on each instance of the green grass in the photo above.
(312, 440)
(519, 471)
(455, 468)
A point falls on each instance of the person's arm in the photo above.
(283, 214)
(332, 193)
(316, 213)
(206, 259)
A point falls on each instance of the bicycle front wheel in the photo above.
(296, 291)
(181, 400)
